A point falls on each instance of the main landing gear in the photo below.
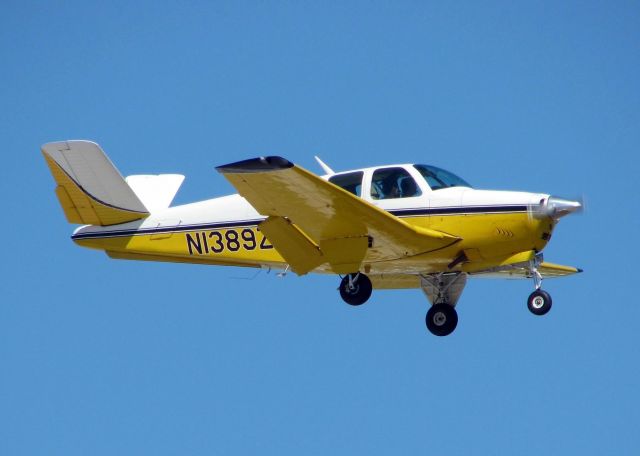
(443, 291)
(355, 289)
(539, 302)
(441, 319)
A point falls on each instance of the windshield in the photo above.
(438, 178)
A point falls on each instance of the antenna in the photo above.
(324, 166)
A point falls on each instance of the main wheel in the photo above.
(355, 289)
(442, 319)
(539, 302)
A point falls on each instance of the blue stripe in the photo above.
(459, 210)
(166, 229)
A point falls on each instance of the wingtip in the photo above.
(255, 165)
(580, 270)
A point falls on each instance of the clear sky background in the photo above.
(107, 357)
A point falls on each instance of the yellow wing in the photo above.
(547, 270)
(312, 222)
(521, 271)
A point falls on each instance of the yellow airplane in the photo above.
(384, 227)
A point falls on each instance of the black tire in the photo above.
(539, 302)
(441, 319)
(360, 292)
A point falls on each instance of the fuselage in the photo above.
(491, 224)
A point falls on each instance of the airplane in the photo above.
(402, 226)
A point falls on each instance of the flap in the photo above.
(296, 248)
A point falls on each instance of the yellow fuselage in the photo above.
(486, 240)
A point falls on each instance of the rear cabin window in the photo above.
(388, 183)
(351, 182)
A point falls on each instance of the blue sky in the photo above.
(109, 357)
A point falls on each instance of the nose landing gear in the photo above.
(539, 302)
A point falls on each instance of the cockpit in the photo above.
(401, 181)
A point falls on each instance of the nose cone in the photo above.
(559, 207)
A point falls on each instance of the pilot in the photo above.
(392, 186)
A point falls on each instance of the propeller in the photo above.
(556, 207)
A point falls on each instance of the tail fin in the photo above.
(90, 189)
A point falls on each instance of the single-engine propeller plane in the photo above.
(384, 227)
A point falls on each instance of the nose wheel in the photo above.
(442, 319)
(539, 302)
(355, 289)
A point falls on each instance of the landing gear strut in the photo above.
(355, 289)
(539, 302)
(443, 291)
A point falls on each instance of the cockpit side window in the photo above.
(438, 178)
(351, 182)
(390, 183)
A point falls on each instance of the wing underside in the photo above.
(517, 271)
(521, 271)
